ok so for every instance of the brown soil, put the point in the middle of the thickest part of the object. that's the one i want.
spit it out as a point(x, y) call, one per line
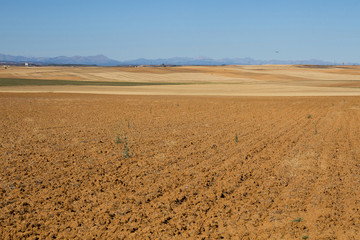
point(293, 172)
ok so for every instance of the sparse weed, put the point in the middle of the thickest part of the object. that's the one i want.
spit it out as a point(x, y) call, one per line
point(236, 138)
point(297, 219)
point(126, 150)
point(118, 140)
point(305, 237)
point(316, 132)
point(214, 146)
point(309, 116)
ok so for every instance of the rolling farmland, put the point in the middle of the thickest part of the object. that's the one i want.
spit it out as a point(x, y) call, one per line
point(181, 161)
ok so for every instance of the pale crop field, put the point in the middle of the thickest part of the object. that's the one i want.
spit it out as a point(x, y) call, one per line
point(268, 80)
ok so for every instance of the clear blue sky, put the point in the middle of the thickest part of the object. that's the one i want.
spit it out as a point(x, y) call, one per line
point(123, 30)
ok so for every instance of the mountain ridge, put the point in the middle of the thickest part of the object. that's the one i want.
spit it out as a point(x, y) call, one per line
point(102, 60)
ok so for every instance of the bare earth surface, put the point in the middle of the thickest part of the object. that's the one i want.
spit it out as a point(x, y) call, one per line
point(267, 80)
point(77, 166)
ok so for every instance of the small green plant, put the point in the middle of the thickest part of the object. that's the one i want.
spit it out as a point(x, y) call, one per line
point(309, 116)
point(126, 154)
point(118, 140)
point(297, 219)
point(316, 132)
point(214, 146)
point(236, 138)
point(128, 123)
point(126, 149)
point(305, 237)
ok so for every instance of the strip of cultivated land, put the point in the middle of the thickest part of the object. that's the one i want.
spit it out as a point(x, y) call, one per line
point(46, 82)
point(158, 167)
point(272, 80)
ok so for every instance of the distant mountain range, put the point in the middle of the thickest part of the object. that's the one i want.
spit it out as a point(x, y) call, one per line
point(224, 61)
point(102, 60)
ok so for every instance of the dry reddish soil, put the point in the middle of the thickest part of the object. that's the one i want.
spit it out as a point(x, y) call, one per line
point(67, 170)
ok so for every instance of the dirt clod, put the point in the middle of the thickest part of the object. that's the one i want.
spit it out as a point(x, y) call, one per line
point(63, 176)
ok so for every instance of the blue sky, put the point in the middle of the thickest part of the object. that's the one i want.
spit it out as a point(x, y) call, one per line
point(123, 30)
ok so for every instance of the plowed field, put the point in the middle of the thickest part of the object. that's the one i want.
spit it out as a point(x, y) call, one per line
point(159, 167)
